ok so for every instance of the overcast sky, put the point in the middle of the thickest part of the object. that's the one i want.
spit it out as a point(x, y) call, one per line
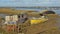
point(15, 3)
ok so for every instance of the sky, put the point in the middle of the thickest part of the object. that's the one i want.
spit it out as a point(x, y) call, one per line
point(25, 3)
point(21, 3)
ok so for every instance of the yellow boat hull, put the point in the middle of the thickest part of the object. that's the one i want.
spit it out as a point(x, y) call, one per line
point(36, 21)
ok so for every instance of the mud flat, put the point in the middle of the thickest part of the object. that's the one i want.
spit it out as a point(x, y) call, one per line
point(49, 27)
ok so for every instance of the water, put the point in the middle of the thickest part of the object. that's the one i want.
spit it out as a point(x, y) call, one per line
point(57, 10)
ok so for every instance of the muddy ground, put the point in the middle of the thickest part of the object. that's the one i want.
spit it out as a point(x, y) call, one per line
point(51, 26)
